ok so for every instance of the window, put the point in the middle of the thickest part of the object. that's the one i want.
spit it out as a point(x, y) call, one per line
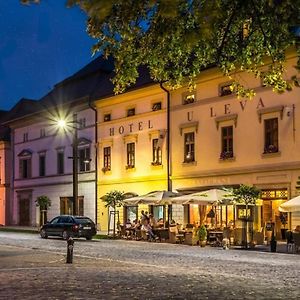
point(188, 98)
point(156, 106)
point(227, 142)
point(271, 135)
point(106, 159)
point(25, 167)
point(25, 137)
point(131, 213)
point(84, 155)
point(225, 89)
point(81, 123)
point(107, 117)
point(42, 132)
point(60, 163)
point(42, 165)
point(189, 147)
point(156, 152)
point(130, 155)
point(66, 206)
point(130, 112)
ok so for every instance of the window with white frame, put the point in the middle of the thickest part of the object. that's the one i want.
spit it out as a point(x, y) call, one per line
point(189, 147)
point(84, 155)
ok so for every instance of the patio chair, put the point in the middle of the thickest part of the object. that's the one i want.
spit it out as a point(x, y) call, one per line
point(174, 235)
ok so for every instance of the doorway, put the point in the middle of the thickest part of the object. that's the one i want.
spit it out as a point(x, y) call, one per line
point(24, 212)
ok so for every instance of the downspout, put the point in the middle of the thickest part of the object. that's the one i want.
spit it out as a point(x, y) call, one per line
point(169, 165)
point(96, 157)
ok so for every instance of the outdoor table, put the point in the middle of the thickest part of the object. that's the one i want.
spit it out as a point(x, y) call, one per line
point(161, 233)
point(215, 237)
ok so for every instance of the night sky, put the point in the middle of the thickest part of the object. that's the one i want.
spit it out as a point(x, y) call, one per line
point(40, 45)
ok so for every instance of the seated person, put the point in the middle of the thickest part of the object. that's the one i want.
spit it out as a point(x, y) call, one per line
point(297, 228)
point(152, 221)
point(160, 222)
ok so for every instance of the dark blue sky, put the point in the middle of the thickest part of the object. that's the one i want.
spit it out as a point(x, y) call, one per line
point(40, 45)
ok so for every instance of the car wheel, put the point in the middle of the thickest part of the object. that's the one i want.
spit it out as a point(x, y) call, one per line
point(88, 238)
point(43, 234)
point(65, 235)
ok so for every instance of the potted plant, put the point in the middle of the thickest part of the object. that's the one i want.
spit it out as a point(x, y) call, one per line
point(202, 235)
point(283, 220)
point(273, 242)
point(43, 202)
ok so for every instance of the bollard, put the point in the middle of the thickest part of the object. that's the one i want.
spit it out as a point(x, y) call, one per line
point(70, 246)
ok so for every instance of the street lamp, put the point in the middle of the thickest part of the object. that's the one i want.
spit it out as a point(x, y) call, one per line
point(64, 124)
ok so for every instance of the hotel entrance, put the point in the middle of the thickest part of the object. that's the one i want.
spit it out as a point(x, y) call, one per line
point(271, 216)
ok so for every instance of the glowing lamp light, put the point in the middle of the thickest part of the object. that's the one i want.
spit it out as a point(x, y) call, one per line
point(61, 123)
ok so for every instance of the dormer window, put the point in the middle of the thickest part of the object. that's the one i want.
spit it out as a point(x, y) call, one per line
point(107, 117)
point(156, 106)
point(188, 98)
point(130, 112)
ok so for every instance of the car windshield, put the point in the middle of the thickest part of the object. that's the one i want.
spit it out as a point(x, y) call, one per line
point(83, 220)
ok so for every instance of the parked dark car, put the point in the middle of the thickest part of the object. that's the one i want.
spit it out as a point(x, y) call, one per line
point(67, 225)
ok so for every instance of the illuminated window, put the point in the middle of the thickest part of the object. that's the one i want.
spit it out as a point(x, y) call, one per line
point(271, 135)
point(106, 159)
point(130, 155)
point(227, 142)
point(156, 152)
point(189, 147)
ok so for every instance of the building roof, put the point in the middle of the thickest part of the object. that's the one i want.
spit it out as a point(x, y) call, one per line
point(92, 82)
point(4, 131)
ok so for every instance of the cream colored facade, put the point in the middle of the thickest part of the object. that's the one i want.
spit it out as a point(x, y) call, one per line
point(205, 117)
point(147, 123)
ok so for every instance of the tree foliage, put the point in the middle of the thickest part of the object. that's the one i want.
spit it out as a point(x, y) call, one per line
point(43, 202)
point(113, 198)
point(177, 39)
point(246, 194)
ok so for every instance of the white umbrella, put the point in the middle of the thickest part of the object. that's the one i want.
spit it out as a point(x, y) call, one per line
point(293, 205)
point(213, 196)
point(152, 198)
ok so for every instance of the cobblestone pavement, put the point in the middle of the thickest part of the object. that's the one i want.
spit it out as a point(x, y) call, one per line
point(32, 268)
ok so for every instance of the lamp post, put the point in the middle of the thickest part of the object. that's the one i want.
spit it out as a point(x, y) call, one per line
point(75, 166)
point(63, 124)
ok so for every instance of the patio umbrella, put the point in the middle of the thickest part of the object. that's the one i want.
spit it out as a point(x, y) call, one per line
point(208, 197)
point(293, 205)
point(152, 198)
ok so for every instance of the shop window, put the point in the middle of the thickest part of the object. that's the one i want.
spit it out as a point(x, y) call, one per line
point(156, 152)
point(131, 213)
point(271, 135)
point(66, 206)
point(130, 156)
point(189, 147)
point(227, 142)
point(106, 159)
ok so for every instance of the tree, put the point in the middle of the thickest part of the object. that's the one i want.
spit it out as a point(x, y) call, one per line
point(113, 199)
point(43, 202)
point(177, 39)
point(246, 195)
